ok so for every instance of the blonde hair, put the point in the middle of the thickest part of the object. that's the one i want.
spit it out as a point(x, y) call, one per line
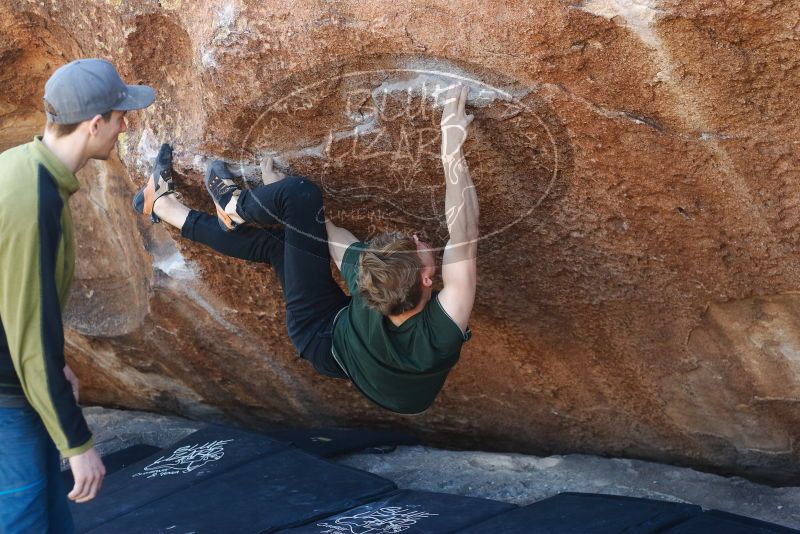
point(389, 274)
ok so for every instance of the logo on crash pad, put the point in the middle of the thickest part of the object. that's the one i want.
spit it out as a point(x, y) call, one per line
point(185, 459)
point(386, 520)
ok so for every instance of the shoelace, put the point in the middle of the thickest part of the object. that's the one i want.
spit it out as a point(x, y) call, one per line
point(219, 187)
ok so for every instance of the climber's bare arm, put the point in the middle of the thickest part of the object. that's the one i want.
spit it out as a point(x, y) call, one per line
point(339, 239)
point(459, 262)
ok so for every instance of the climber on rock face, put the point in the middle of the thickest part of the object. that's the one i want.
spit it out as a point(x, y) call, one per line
point(395, 338)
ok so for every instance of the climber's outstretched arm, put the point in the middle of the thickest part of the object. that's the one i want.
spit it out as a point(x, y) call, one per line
point(339, 239)
point(459, 262)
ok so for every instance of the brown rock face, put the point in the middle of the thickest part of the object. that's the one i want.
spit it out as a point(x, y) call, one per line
point(637, 166)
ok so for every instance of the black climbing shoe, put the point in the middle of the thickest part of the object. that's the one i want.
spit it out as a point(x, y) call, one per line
point(159, 184)
point(220, 185)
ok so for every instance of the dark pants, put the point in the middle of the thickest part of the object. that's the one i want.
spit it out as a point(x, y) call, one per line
point(298, 251)
point(32, 493)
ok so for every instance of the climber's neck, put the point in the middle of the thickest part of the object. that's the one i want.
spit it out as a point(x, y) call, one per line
point(397, 320)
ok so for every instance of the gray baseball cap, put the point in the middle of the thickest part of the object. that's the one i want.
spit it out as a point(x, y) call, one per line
point(84, 88)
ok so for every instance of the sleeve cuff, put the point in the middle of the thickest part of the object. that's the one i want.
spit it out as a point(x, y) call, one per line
point(466, 335)
point(350, 256)
point(68, 453)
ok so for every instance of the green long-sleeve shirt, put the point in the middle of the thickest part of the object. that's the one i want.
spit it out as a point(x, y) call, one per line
point(37, 262)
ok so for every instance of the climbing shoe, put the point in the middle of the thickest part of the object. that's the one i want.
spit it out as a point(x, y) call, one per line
point(159, 184)
point(224, 192)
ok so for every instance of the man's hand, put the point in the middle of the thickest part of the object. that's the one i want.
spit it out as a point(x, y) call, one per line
point(454, 121)
point(88, 471)
point(73, 380)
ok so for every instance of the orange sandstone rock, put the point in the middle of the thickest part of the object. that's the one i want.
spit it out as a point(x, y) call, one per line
point(637, 166)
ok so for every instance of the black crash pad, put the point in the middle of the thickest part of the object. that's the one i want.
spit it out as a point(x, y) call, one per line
point(716, 522)
point(281, 490)
point(330, 442)
point(117, 460)
point(585, 513)
point(204, 454)
point(409, 512)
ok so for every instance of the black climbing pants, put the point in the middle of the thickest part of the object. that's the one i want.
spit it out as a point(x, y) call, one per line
point(297, 250)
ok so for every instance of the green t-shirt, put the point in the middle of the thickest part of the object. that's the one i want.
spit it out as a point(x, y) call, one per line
point(401, 368)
